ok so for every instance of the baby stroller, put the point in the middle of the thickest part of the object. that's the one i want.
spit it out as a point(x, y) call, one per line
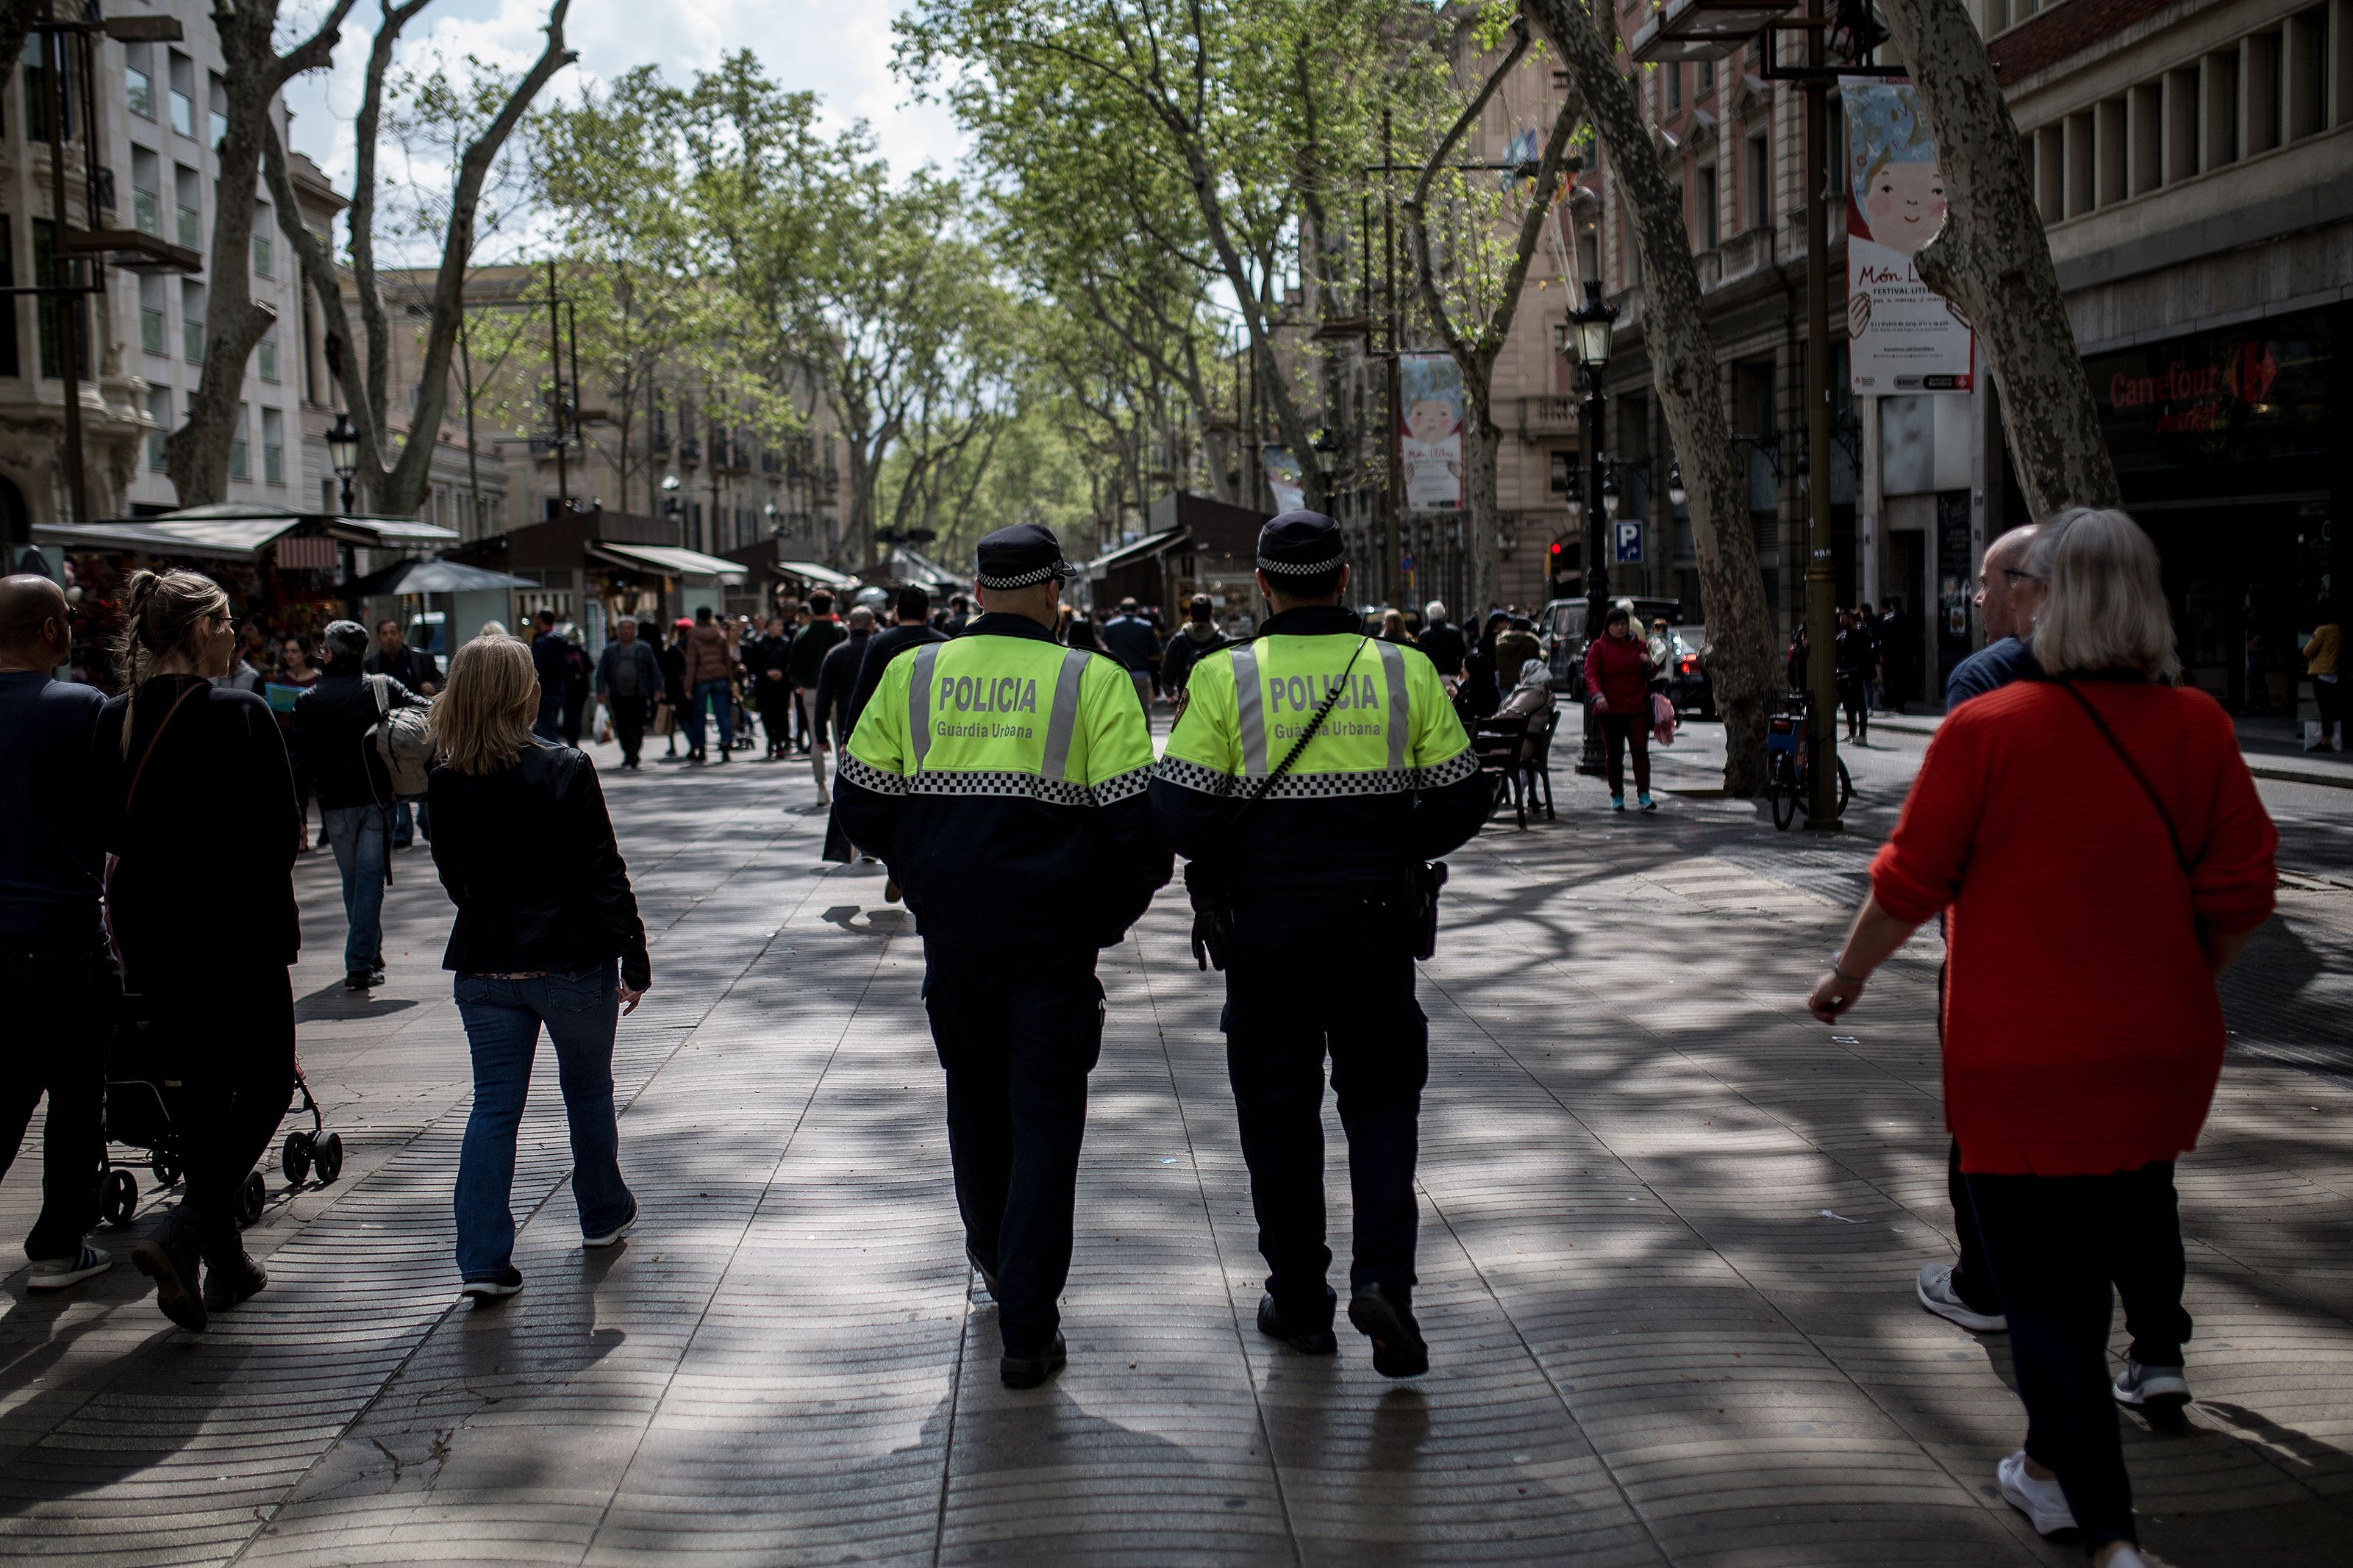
point(141, 1103)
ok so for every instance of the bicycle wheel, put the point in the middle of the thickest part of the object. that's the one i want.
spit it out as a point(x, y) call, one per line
point(1781, 789)
point(1846, 786)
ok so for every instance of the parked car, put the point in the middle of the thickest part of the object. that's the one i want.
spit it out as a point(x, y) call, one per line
point(1560, 632)
point(1688, 686)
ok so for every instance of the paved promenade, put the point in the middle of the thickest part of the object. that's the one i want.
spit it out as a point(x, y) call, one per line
point(1669, 1230)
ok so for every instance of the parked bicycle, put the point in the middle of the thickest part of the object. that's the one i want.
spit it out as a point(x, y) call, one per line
point(1787, 781)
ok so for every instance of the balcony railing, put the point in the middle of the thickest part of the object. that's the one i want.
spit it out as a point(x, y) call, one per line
point(1547, 416)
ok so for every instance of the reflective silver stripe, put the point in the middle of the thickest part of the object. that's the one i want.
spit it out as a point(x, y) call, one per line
point(1393, 666)
point(919, 705)
point(1063, 721)
point(1249, 713)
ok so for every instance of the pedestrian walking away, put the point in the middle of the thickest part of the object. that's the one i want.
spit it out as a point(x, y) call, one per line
point(1001, 776)
point(911, 616)
point(545, 915)
point(1855, 655)
point(1618, 683)
point(2324, 652)
point(201, 829)
point(332, 755)
point(1313, 774)
point(1197, 637)
point(805, 661)
point(707, 674)
point(673, 666)
point(547, 661)
point(2098, 843)
point(417, 669)
point(765, 660)
point(60, 978)
point(1131, 639)
point(836, 683)
point(629, 677)
point(1439, 642)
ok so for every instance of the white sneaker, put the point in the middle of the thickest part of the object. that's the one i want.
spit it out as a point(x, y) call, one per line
point(1935, 1289)
point(2043, 1502)
point(2145, 1386)
point(629, 1223)
point(56, 1273)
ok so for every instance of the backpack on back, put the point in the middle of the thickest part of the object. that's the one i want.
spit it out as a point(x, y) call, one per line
point(401, 742)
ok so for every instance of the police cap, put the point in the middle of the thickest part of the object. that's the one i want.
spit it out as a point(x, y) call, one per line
point(1299, 544)
point(1018, 556)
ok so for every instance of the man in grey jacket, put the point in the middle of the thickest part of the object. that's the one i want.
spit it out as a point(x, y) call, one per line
point(627, 677)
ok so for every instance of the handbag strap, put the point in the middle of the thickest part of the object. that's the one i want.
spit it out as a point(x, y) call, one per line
point(141, 771)
point(2140, 778)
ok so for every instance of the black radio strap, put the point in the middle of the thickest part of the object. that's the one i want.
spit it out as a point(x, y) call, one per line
point(1331, 700)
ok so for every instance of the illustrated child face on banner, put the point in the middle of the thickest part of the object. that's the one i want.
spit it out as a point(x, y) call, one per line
point(1433, 419)
point(1905, 203)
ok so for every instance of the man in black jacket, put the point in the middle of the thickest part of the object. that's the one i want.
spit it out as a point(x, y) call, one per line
point(332, 758)
point(1197, 637)
point(913, 611)
point(416, 669)
point(837, 681)
point(547, 662)
point(1440, 643)
point(61, 979)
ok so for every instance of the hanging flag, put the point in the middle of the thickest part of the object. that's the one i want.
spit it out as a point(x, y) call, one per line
point(1283, 479)
point(1430, 432)
point(1902, 336)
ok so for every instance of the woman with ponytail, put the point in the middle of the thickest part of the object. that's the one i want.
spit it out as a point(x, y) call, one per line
point(204, 832)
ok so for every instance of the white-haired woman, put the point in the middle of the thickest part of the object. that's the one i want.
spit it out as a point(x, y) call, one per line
point(2099, 853)
point(523, 843)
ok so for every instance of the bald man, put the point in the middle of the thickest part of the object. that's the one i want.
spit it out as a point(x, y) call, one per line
point(2007, 597)
point(54, 965)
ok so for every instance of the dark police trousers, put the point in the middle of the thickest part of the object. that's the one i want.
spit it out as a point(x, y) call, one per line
point(1017, 1029)
point(1303, 981)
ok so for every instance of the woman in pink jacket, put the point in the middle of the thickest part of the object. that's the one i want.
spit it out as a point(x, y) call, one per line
point(1618, 683)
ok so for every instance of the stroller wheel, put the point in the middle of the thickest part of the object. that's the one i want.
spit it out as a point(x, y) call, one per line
point(327, 1156)
point(252, 1196)
point(118, 1198)
point(166, 1169)
point(295, 1158)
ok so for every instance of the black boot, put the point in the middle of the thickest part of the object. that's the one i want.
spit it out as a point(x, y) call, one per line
point(1029, 1370)
point(171, 1260)
point(1306, 1340)
point(231, 1276)
point(1385, 1316)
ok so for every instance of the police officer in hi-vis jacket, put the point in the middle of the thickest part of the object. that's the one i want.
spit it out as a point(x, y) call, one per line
point(1002, 777)
point(1311, 886)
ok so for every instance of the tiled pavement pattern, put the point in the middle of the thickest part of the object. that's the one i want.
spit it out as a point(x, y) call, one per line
point(1668, 1236)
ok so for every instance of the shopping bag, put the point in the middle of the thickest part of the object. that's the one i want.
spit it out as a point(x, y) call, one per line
point(1662, 719)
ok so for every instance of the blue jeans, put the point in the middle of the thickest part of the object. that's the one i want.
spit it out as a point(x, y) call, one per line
point(356, 835)
point(550, 722)
point(721, 700)
point(503, 1018)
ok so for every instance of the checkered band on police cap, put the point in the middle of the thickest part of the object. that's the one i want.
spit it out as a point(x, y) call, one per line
point(1018, 557)
point(1299, 544)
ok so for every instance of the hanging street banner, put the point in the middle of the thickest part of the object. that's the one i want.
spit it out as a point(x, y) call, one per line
point(1429, 431)
point(1283, 479)
point(1902, 336)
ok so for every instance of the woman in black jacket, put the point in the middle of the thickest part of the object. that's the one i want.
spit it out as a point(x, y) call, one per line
point(203, 834)
point(523, 845)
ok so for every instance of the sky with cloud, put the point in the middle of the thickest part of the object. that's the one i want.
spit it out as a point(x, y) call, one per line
point(840, 52)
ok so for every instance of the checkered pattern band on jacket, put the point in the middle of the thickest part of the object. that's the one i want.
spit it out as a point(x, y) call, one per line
point(865, 776)
point(1322, 786)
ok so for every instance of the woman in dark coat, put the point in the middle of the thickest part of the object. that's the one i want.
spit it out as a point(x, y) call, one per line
point(204, 832)
point(525, 848)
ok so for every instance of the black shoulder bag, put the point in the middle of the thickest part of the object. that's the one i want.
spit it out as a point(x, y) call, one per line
point(1210, 884)
point(2172, 833)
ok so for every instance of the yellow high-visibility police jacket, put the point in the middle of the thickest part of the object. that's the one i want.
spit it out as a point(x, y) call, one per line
point(1002, 777)
point(1389, 778)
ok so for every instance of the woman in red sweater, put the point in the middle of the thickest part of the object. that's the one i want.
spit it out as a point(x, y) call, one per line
point(2100, 855)
point(1617, 678)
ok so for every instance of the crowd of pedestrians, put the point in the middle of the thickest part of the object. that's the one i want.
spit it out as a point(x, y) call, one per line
point(2083, 827)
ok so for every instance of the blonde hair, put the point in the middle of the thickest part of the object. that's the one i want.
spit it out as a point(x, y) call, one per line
point(2105, 610)
point(161, 612)
point(482, 719)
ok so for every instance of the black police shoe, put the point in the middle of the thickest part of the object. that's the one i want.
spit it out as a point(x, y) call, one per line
point(1385, 1318)
point(1029, 1370)
point(1306, 1342)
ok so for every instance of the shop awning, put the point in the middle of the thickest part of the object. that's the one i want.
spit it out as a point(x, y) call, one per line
point(235, 530)
point(432, 576)
point(669, 559)
point(825, 576)
point(1142, 549)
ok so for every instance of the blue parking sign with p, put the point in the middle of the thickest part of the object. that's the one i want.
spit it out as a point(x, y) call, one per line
point(1629, 543)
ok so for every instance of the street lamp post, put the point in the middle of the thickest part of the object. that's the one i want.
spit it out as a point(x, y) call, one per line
point(344, 453)
point(1591, 325)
